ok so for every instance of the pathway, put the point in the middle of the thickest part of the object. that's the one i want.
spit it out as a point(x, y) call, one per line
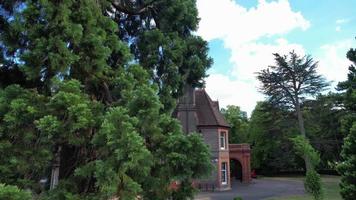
point(257, 190)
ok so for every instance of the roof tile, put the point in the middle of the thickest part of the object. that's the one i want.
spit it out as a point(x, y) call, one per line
point(207, 110)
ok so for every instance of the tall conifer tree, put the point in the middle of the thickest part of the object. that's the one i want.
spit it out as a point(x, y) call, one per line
point(347, 167)
point(289, 82)
point(95, 84)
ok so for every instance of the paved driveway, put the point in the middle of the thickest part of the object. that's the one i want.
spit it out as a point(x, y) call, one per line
point(258, 189)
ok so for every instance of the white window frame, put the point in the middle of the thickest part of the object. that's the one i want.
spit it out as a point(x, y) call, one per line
point(224, 173)
point(222, 140)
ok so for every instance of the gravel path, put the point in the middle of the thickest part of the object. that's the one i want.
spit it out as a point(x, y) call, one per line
point(259, 189)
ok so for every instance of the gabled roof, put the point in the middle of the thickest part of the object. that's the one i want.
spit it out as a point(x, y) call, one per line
point(208, 113)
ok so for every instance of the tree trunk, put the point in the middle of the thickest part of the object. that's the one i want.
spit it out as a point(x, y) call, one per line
point(308, 165)
point(55, 168)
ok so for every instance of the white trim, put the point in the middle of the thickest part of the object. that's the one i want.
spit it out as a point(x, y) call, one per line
point(224, 173)
point(222, 137)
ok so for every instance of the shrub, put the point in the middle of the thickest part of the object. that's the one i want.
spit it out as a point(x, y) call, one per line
point(304, 148)
point(347, 168)
point(312, 184)
point(237, 198)
point(10, 192)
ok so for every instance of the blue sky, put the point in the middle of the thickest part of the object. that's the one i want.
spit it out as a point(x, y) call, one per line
point(243, 34)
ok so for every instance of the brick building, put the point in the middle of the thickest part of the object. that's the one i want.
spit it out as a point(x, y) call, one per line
point(198, 113)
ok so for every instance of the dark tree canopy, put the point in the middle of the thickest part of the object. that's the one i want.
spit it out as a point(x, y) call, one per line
point(349, 86)
point(86, 88)
point(158, 33)
point(270, 128)
point(323, 124)
point(289, 82)
point(347, 167)
point(292, 79)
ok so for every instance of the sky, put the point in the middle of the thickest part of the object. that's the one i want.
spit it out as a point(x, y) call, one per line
point(243, 34)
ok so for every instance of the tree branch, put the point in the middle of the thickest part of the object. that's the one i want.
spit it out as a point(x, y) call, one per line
point(107, 92)
point(122, 6)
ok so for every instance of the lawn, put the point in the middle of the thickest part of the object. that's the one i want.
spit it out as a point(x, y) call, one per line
point(331, 189)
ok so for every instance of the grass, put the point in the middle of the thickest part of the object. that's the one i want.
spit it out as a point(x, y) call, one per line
point(330, 186)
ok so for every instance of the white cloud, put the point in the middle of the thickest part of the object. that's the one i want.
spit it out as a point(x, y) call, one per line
point(232, 92)
point(241, 31)
point(242, 88)
point(333, 63)
point(253, 57)
point(341, 21)
point(228, 20)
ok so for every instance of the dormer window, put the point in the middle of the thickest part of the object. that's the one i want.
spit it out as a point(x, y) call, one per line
point(222, 140)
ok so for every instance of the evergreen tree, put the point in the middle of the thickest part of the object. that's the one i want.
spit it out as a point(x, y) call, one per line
point(92, 111)
point(13, 193)
point(270, 128)
point(348, 166)
point(289, 82)
point(160, 36)
point(323, 124)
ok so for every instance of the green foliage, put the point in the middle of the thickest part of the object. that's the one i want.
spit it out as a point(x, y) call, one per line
point(237, 198)
point(348, 86)
point(20, 141)
point(70, 112)
point(348, 166)
point(10, 192)
point(270, 128)
point(116, 172)
point(197, 150)
point(99, 83)
point(323, 123)
point(289, 82)
point(62, 192)
point(303, 148)
point(160, 39)
point(291, 79)
point(312, 185)
point(238, 121)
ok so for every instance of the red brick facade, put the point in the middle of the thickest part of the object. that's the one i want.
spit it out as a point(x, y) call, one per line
point(198, 113)
point(241, 153)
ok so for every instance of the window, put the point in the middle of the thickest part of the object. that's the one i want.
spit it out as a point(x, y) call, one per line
point(222, 140)
point(224, 173)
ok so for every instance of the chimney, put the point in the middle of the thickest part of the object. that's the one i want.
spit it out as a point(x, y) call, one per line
point(216, 104)
point(188, 95)
point(186, 110)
